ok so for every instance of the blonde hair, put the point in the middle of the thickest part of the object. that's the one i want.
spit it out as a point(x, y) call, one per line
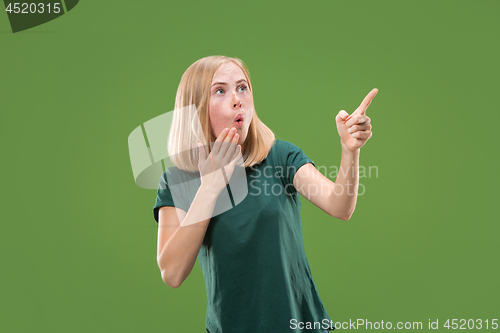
point(192, 101)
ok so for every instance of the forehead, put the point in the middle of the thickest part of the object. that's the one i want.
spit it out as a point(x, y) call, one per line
point(228, 71)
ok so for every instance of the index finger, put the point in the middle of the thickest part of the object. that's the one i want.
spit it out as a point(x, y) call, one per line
point(366, 101)
point(361, 110)
point(219, 140)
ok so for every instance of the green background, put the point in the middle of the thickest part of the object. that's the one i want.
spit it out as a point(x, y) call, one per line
point(78, 237)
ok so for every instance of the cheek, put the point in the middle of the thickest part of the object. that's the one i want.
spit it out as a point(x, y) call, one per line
point(218, 120)
point(250, 102)
point(250, 119)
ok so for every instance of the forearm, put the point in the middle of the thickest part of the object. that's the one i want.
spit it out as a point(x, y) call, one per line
point(177, 258)
point(345, 190)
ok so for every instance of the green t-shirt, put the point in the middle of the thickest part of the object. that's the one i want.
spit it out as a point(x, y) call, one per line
point(256, 272)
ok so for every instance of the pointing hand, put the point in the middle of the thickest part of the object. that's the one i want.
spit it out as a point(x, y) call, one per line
point(355, 129)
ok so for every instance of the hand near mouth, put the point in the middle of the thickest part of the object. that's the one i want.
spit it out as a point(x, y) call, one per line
point(217, 169)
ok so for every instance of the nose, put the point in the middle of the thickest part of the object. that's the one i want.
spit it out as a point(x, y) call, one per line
point(236, 101)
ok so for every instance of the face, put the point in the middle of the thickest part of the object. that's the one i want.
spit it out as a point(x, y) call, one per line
point(231, 101)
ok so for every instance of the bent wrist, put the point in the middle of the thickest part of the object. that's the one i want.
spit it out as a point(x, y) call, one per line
point(350, 152)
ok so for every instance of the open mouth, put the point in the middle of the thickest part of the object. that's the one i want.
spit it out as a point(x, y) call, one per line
point(238, 120)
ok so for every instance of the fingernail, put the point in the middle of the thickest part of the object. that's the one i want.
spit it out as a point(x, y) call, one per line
point(233, 129)
point(226, 129)
point(350, 130)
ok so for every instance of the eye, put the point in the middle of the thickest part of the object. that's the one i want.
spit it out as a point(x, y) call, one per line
point(219, 91)
point(243, 88)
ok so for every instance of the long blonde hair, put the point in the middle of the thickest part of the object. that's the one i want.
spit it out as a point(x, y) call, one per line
point(192, 101)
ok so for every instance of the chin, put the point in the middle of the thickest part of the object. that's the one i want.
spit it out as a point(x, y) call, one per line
point(241, 140)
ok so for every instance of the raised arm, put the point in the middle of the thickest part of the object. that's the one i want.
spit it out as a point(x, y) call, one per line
point(339, 199)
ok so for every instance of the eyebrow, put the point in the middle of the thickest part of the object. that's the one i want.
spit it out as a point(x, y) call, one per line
point(225, 83)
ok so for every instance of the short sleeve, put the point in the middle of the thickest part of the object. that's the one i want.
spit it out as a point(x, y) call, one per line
point(180, 195)
point(163, 196)
point(291, 158)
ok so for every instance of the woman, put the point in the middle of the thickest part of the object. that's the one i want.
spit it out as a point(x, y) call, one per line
point(252, 256)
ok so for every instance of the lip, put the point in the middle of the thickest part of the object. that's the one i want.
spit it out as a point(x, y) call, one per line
point(239, 123)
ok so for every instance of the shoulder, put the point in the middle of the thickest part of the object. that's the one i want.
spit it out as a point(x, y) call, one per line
point(285, 147)
point(286, 153)
point(174, 176)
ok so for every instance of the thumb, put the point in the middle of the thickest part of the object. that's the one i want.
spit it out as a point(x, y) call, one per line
point(341, 116)
point(202, 157)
